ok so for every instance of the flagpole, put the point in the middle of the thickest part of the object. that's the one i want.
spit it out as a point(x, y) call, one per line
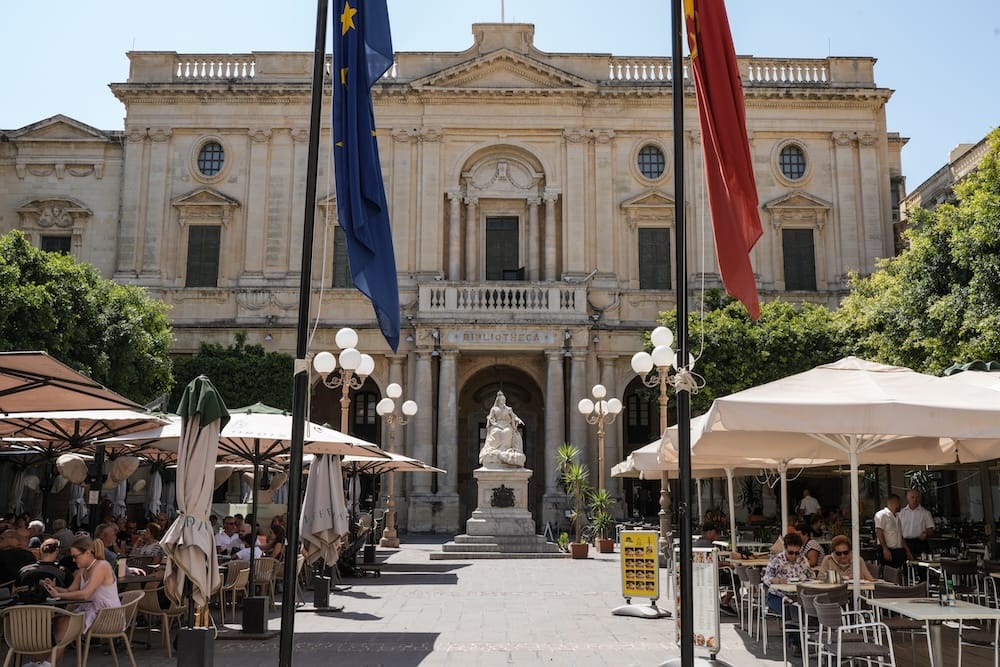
point(300, 387)
point(686, 611)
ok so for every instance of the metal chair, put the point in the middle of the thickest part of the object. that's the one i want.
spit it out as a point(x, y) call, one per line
point(113, 623)
point(27, 630)
point(982, 636)
point(964, 575)
point(897, 623)
point(839, 639)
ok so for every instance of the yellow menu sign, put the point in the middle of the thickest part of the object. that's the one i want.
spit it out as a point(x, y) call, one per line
point(640, 570)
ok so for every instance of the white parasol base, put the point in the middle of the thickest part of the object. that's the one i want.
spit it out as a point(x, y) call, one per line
point(641, 611)
point(698, 660)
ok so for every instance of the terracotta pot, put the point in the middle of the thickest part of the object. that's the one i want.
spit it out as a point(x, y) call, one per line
point(605, 545)
point(578, 549)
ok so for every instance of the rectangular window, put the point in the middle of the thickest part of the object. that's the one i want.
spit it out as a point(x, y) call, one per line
point(341, 265)
point(203, 256)
point(60, 244)
point(501, 249)
point(654, 258)
point(799, 259)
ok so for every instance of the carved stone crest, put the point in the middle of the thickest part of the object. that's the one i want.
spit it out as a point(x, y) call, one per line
point(503, 496)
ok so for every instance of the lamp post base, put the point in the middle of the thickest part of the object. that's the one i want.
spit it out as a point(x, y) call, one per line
point(389, 538)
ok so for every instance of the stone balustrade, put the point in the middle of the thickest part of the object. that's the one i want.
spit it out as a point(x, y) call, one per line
point(494, 298)
point(753, 71)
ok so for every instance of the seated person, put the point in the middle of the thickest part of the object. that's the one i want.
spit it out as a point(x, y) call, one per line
point(275, 545)
point(149, 544)
point(12, 555)
point(841, 561)
point(30, 577)
point(244, 553)
point(782, 569)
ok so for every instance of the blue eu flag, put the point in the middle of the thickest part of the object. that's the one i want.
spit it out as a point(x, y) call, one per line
point(362, 54)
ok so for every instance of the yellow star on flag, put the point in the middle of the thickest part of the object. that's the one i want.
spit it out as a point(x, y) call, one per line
point(343, 76)
point(347, 18)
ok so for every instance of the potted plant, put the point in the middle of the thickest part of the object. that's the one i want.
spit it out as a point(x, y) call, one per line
point(601, 520)
point(576, 480)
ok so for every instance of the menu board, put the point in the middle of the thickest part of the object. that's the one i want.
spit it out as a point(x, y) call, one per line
point(640, 569)
point(705, 587)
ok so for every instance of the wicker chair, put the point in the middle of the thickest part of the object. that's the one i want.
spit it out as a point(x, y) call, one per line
point(263, 577)
point(149, 606)
point(236, 582)
point(27, 630)
point(114, 623)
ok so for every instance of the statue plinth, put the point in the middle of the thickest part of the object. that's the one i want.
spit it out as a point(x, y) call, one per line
point(502, 506)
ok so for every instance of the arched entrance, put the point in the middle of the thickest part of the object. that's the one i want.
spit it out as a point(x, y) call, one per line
point(475, 401)
point(641, 425)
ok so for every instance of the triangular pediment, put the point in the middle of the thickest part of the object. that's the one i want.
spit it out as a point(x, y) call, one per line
point(58, 128)
point(503, 69)
point(205, 197)
point(649, 200)
point(798, 200)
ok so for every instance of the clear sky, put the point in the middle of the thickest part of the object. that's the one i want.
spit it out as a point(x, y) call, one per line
point(940, 57)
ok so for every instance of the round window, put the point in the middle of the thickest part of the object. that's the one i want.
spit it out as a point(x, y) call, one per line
point(211, 157)
point(651, 162)
point(792, 161)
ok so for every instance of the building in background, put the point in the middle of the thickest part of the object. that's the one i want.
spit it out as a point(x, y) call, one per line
point(532, 205)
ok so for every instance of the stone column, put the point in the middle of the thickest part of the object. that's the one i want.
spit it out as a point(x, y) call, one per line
point(531, 264)
point(550, 236)
point(612, 450)
point(471, 238)
point(555, 433)
point(157, 232)
point(578, 426)
point(454, 235)
point(133, 211)
point(257, 206)
point(422, 431)
point(447, 435)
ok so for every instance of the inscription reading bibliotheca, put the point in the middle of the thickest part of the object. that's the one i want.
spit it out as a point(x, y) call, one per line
point(502, 337)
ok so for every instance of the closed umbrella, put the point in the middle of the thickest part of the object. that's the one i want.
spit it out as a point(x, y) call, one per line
point(324, 518)
point(154, 492)
point(189, 542)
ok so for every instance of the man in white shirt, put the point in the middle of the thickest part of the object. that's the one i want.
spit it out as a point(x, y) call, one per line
point(228, 539)
point(808, 505)
point(892, 549)
point(917, 523)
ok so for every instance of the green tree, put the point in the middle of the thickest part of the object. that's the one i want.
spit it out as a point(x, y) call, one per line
point(116, 334)
point(937, 302)
point(733, 352)
point(243, 374)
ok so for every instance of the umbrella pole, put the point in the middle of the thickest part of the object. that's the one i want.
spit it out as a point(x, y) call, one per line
point(732, 514)
point(783, 470)
point(253, 498)
point(855, 523)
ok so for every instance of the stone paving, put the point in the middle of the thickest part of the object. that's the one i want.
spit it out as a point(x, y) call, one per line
point(476, 612)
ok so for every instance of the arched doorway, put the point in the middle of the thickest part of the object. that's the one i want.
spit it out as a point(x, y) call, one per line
point(476, 398)
point(640, 426)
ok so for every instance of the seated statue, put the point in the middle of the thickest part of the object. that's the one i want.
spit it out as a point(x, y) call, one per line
point(503, 439)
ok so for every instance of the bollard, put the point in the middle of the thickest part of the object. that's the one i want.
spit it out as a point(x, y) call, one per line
point(321, 592)
point(195, 647)
point(255, 615)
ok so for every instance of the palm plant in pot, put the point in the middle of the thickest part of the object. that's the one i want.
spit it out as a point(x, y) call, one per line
point(601, 520)
point(576, 480)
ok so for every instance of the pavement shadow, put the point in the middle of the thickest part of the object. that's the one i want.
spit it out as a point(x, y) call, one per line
point(358, 649)
point(389, 566)
point(406, 579)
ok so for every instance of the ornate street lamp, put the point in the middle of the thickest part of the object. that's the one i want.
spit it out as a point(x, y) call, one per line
point(386, 409)
point(663, 359)
point(354, 368)
point(600, 412)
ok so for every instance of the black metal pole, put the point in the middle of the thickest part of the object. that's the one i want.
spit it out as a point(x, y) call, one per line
point(300, 387)
point(683, 398)
point(253, 499)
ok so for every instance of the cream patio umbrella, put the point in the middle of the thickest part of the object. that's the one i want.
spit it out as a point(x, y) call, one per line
point(324, 521)
point(851, 410)
point(190, 542)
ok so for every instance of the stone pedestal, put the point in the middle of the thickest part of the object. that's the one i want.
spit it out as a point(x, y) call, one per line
point(501, 525)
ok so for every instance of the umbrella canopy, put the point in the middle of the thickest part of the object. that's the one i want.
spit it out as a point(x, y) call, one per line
point(189, 541)
point(58, 431)
point(324, 519)
point(849, 410)
point(34, 381)
point(378, 465)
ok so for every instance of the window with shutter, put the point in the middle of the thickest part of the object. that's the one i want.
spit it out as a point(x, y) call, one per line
point(799, 259)
point(654, 258)
point(61, 244)
point(501, 249)
point(203, 256)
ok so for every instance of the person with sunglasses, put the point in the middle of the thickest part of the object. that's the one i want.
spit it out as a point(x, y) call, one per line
point(841, 561)
point(785, 567)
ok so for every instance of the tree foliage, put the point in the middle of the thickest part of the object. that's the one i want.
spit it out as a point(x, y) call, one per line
point(733, 352)
point(243, 374)
point(116, 334)
point(937, 302)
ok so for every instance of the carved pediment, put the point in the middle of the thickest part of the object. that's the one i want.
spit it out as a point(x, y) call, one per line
point(58, 128)
point(204, 203)
point(53, 213)
point(649, 206)
point(502, 70)
point(798, 209)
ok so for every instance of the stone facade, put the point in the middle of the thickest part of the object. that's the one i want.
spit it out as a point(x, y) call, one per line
point(524, 188)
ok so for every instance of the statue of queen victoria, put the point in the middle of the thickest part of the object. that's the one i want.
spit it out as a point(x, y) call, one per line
point(503, 443)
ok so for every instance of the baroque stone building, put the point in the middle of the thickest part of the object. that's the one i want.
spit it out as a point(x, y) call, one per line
point(532, 205)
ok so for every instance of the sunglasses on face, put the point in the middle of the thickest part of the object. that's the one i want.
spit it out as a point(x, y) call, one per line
point(790, 552)
point(842, 553)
